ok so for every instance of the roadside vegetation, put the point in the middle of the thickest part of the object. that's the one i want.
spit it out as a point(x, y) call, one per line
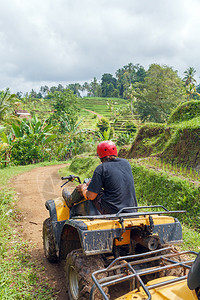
point(20, 276)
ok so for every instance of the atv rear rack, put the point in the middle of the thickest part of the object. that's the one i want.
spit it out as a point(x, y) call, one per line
point(125, 269)
point(135, 214)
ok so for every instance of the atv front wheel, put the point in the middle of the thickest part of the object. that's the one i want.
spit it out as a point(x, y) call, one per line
point(49, 241)
point(78, 272)
point(174, 271)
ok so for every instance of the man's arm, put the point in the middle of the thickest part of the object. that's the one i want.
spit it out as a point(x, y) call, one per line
point(82, 188)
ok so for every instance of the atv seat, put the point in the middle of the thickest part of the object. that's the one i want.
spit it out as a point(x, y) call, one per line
point(85, 208)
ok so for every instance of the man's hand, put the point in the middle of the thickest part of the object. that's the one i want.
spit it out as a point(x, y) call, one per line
point(82, 188)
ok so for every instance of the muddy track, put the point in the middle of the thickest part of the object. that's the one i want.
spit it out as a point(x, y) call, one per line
point(33, 189)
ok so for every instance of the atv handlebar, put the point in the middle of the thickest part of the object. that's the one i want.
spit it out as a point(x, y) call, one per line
point(70, 178)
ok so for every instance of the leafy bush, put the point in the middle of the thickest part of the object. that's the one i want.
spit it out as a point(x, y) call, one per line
point(26, 151)
point(124, 139)
point(103, 125)
point(65, 110)
point(130, 126)
point(185, 111)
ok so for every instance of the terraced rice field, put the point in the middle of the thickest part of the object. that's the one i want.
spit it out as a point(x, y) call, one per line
point(102, 106)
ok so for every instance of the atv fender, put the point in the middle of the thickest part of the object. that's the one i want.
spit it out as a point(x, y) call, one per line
point(59, 213)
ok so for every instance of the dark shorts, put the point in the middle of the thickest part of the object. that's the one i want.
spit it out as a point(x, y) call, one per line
point(98, 205)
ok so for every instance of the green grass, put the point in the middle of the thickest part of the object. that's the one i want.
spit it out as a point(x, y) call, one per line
point(88, 120)
point(191, 239)
point(20, 276)
point(171, 169)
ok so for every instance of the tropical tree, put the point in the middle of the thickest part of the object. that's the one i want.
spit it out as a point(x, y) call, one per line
point(95, 88)
point(75, 88)
point(44, 90)
point(86, 88)
point(189, 76)
point(33, 94)
point(6, 100)
point(127, 76)
point(65, 106)
point(108, 85)
point(190, 83)
point(161, 90)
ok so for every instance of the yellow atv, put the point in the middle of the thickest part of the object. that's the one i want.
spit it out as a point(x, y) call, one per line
point(90, 241)
point(171, 279)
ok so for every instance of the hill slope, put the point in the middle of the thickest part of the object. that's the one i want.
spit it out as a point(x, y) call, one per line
point(176, 143)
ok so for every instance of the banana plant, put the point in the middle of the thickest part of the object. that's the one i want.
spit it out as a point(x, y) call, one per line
point(41, 131)
point(6, 105)
point(5, 146)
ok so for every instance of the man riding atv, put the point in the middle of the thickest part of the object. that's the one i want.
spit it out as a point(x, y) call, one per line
point(112, 186)
point(88, 240)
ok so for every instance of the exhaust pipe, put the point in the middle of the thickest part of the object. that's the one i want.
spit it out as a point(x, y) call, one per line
point(149, 242)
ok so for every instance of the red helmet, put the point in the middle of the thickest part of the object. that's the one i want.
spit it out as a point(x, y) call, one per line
point(106, 148)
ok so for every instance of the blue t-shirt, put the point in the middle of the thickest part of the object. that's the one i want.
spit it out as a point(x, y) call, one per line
point(116, 179)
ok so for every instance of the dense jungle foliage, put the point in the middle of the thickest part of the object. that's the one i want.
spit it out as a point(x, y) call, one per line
point(63, 123)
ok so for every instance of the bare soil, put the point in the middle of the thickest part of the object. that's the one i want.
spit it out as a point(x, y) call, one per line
point(34, 188)
point(93, 112)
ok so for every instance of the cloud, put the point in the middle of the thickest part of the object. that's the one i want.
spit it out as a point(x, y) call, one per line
point(73, 40)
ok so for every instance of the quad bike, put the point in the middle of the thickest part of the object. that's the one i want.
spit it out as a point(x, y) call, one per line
point(89, 241)
point(167, 286)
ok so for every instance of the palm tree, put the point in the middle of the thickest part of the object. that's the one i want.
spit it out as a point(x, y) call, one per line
point(189, 76)
point(190, 81)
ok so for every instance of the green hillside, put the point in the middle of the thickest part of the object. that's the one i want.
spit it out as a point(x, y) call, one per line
point(176, 143)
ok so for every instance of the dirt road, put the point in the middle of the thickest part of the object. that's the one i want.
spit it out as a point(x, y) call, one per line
point(34, 188)
point(93, 112)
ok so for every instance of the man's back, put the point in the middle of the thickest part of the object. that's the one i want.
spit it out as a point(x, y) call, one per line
point(116, 179)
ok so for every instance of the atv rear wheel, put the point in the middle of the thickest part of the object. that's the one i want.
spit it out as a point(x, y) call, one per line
point(78, 272)
point(49, 241)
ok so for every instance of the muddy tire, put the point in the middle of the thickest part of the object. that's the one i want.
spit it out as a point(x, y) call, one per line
point(78, 272)
point(175, 271)
point(49, 241)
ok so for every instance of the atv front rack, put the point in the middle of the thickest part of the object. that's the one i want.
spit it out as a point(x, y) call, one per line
point(133, 267)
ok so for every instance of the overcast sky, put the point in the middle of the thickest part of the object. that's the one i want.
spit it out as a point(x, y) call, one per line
point(63, 41)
